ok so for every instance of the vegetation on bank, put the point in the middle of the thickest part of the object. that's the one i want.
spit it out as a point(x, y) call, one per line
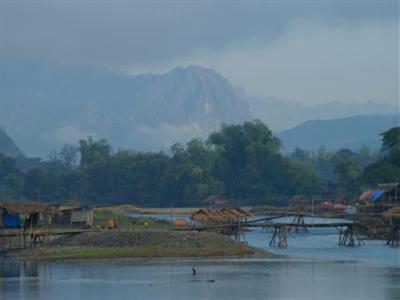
point(242, 162)
point(374, 227)
point(141, 243)
point(167, 210)
point(125, 221)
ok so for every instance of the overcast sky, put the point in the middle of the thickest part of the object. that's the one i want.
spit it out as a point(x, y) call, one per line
point(308, 51)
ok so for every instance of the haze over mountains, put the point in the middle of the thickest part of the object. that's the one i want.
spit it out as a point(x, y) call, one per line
point(44, 106)
point(7, 146)
point(350, 132)
point(9, 149)
point(283, 115)
point(58, 105)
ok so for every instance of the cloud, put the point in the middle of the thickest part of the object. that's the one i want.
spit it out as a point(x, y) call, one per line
point(121, 33)
point(315, 64)
point(162, 136)
point(309, 51)
point(67, 135)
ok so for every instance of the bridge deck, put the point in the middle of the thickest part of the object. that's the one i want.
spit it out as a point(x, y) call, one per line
point(289, 224)
point(269, 222)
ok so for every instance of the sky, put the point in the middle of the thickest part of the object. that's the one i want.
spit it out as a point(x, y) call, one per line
point(308, 51)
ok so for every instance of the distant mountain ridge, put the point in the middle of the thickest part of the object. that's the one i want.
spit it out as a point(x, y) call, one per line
point(58, 105)
point(7, 146)
point(283, 115)
point(351, 132)
point(45, 106)
point(9, 149)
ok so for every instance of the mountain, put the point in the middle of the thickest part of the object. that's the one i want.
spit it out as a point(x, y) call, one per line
point(58, 105)
point(9, 149)
point(7, 146)
point(45, 106)
point(282, 115)
point(351, 132)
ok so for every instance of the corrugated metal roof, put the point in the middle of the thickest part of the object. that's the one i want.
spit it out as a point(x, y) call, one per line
point(364, 196)
point(376, 195)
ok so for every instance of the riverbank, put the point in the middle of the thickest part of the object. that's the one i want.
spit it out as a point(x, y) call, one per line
point(150, 210)
point(140, 243)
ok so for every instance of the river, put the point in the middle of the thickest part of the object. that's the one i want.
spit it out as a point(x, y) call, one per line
point(312, 267)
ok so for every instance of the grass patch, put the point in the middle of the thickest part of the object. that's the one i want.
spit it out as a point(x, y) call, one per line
point(126, 252)
point(100, 217)
point(141, 243)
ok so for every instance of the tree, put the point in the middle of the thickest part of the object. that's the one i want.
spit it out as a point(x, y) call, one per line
point(348, 173)
point(250, 164)
point(301, 155)
point(188, 178)
point(241, 162)
point(67, 156)
point(94, 151)
point(388, 168)
point(391, 140)
point(11, 179)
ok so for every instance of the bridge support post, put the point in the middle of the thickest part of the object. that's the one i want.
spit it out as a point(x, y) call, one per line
point(394, 237)
point(279, 237)
point(267, 226)
point(349, 237)
point(238, 232)
point(298, 220)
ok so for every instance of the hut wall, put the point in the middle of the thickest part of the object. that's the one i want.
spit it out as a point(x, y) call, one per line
point(82, 217)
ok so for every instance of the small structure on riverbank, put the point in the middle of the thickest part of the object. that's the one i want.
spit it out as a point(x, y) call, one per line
point(74, 216)
point(24, 215)
point(383, 197)
point(25, 224)
point(219, 220)
point(211, 216)
point(19, 222)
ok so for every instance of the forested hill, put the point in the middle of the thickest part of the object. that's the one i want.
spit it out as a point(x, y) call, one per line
point(352, 133)
point(7, 145)
point(45, 106)
point(241, 163)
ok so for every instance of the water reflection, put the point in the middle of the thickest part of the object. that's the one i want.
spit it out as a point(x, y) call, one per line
point(215, 279)
point(13, 268)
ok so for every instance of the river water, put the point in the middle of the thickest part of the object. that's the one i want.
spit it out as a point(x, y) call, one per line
point(312, 267)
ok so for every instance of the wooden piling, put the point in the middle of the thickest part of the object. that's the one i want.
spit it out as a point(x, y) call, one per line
point(394, 237)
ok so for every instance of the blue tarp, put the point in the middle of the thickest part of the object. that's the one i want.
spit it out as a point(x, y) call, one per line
point(11, 220)
point(376, 195)
point(350, 210)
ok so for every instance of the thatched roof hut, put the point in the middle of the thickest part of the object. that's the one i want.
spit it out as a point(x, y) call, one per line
point(24, 207)
point(208, 216)
point(393, 212)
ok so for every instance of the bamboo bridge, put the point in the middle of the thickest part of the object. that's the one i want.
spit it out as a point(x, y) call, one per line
point(348, 231)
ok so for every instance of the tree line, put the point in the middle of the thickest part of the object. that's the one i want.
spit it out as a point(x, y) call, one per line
point(241, 162)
